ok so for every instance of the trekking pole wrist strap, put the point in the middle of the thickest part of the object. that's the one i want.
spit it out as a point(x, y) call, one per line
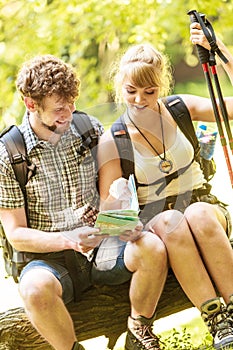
point(210, 36)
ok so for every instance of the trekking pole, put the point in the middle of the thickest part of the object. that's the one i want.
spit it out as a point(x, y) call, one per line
point(222, 107)
point(210, 35)
point(204, 57)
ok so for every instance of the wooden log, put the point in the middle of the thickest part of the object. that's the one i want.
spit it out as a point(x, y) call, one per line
point(102, 311)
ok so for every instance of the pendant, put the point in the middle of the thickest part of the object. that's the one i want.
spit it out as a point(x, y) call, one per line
point(165, 166)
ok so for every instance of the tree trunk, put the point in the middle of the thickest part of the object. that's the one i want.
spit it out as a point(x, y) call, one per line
point(102, 311)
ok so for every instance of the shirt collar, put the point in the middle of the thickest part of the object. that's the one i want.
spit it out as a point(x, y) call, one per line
point(31, 139)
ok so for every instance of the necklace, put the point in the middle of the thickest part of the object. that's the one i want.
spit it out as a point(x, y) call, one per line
point(165, 165)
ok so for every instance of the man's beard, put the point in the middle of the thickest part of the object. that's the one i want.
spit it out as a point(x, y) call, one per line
point(49, 127)
point(54, 128)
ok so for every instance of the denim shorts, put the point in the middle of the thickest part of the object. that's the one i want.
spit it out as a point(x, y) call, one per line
point(227, 215)
point(107, 268)
point(59, 271)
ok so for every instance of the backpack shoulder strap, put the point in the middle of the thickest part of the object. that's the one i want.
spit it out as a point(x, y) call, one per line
point(124, 146)
point(15, 146)
point(14, 143)
point(181, 115)
point(83, 125)
point(85, 128)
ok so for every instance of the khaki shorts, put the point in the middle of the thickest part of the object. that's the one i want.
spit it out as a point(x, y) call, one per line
point(228, 218)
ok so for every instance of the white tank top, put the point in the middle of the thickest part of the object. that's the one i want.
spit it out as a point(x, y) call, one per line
point(147, 171)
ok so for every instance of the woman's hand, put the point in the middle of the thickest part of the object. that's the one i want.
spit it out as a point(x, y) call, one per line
point(197, 36)
point(133, 235)
point(120, 191)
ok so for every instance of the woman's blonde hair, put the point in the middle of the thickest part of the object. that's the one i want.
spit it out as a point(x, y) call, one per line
point(143, 66)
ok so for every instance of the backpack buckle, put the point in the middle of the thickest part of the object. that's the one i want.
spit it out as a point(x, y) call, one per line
point(17, 158)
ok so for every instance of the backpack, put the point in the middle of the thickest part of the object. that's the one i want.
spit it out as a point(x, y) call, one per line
point(14, 260)
point(181, 115)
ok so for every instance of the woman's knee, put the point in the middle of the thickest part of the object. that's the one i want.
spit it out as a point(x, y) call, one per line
point(205, 219)
point(153, 244)
point(201, 214)
point(149, 247)
point(167, 223)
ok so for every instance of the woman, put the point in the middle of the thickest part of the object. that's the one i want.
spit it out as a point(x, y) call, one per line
point(195, 232)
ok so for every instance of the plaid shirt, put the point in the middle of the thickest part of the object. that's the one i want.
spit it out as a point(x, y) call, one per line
point(62, 194)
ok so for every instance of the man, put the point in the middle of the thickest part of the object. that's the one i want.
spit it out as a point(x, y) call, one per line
point(62, 203)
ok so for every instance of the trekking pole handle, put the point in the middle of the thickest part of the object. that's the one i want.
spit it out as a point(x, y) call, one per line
point(203, 53)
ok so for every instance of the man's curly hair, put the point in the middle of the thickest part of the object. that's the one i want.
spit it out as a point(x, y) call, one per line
point(47, 75)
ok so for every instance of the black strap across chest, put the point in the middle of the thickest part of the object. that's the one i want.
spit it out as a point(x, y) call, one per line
point(120, 133)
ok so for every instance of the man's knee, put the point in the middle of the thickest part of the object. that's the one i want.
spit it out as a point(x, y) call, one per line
point(38, 288)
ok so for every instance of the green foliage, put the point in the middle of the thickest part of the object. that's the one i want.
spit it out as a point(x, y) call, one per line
point(199, 87)
point(192, 336)
point(177, 340)
point(90, 34)
point(182, 340)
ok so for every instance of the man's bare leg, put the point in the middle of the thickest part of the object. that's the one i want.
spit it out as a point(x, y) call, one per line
point(42, 296)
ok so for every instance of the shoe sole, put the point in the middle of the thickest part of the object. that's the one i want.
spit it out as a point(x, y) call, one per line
point(224, 346)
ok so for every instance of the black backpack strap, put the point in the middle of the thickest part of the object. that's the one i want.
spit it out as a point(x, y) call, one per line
point(181, 115)
point(86, 130)
point(83, 125)
point(15, 146)
point(124, 147)
point(164, 181)
point(23, 169)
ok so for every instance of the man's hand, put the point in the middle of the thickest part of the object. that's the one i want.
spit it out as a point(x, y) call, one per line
point(86, 238)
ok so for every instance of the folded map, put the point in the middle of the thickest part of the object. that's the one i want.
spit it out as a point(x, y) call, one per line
point(115, 222)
